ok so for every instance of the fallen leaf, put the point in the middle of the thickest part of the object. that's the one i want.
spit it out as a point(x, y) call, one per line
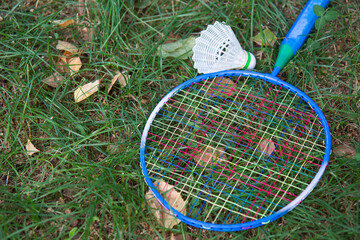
point(53, 80)
point(267, 146)
point(74, 64)
point(142, 3)
point(210, 155)
point(87, 34)
point(62, 65)
point(221, 86)
point(86, 91)
point(180, 49)
point(144, 100)
point(122, 77)
point(66, 46)
point(64, 23)
point(265, 38)
point(30, 148)
point(174, 199)
point(180, 237)
point(344, 150)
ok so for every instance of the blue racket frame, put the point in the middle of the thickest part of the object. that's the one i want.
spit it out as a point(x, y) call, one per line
point(260, 222)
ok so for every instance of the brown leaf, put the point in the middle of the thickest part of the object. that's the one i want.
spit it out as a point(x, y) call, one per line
point(114, 80)
point(87, 34)
point(267, 146)
point(30, 148)
point(221, 86)
point(121, 77)
point(210, 155)
point(74, 64)
point(174, 199)
point(53, 80)
point(180, 237)
point(86, 91)
point(62, 65)
point(66, 46)
point(344, 150)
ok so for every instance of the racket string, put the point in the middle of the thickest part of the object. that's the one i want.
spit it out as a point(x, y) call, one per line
point(287, 141)
point(252, 128)
point(182, 112)
point(261, 153)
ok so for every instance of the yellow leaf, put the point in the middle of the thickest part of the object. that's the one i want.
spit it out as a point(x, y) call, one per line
point(66, 46)
point(74, 64)
point(64, 23)
point(86, 91)
point(53, 80)
point(30, 148)
point(173, 198)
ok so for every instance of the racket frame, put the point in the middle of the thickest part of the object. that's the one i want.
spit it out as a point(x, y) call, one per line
point(240, 226)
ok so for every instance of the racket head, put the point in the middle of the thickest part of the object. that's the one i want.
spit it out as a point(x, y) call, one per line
point(278, 211)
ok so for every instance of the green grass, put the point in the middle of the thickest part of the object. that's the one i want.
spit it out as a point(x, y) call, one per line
point(86, 177)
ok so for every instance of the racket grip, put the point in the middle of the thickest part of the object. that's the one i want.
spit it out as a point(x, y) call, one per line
point(297, 34)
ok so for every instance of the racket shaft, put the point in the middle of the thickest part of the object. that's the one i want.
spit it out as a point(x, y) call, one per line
point(298, 33)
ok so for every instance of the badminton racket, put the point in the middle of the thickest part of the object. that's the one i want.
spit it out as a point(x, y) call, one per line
point(239, 148)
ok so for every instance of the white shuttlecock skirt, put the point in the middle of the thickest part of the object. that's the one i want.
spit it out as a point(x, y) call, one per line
point(217, 49)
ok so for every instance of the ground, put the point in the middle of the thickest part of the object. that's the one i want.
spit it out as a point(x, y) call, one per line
point(85, 179)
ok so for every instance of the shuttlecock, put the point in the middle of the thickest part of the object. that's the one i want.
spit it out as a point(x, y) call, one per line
point(217, 49)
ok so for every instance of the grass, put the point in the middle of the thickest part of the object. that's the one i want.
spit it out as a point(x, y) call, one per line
point(86, 179)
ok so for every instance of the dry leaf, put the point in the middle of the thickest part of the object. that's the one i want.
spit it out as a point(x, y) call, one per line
point(267, 146)
point(144, 99)
point(122, 79)
point(180, 237)
point(86, 91)
point(221, 86)
point(87, 34)
point(69, 65)
point(114, 80)
point(62, 65)
point(344, 150)
point(210, 155)
point(74, 64)
point(30, 148)
point(53, 80)
point(65, 46)
point(174, 199)
point(64, 23)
